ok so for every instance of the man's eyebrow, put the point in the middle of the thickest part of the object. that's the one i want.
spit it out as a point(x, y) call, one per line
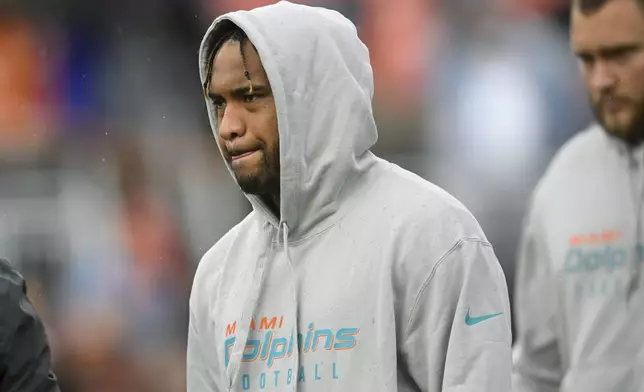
point(240, 91)
point(212, 95)
point(619, 48)
point(608, 50)
point(245, 90)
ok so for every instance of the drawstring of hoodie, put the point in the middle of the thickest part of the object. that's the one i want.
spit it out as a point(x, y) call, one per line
point(236, 356)
point(234, 364)
point(637, 179)
point(296, 351)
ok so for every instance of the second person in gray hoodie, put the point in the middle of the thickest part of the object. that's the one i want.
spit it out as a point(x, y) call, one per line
point(580, 295)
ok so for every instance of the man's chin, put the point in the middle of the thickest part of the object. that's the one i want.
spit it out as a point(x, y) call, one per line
point(249, 184)
point(615, 130)
point(625, 126)
point(631, 135)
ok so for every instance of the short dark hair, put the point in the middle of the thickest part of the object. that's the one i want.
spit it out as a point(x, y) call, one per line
point(229, 32)
point(591, 6)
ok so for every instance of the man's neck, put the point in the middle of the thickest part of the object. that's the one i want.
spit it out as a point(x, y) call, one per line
point(273, 203)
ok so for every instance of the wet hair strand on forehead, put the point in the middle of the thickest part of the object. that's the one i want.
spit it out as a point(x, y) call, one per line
point(231, 33)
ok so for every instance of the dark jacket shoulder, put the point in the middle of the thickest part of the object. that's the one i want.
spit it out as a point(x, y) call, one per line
point(25, 357)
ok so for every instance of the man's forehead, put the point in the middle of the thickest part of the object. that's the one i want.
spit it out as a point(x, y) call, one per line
point(228, 53)
point(618, 23)
point(228, 65)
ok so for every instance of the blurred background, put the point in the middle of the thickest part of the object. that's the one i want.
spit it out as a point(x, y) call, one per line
point(112, 187)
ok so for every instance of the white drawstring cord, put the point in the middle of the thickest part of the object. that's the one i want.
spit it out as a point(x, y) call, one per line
point(284, 229)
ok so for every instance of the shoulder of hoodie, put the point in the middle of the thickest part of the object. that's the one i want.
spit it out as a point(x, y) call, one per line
point(432, 230)
point(580, 155)
point(426, 210)
point(213, 261)
point(11, 281)
point(13, 291)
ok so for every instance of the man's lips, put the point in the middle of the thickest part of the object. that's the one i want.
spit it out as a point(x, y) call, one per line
point(613, 105)
point(240, 155)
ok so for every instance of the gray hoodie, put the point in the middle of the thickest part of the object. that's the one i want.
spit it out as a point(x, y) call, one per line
point(372, 279)
point(579, 301)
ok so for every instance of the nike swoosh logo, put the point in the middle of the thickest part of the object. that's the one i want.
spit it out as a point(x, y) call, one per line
point(475, 320)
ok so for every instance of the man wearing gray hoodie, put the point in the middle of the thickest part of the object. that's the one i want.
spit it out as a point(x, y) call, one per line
point(351, 274)
point(580, 296)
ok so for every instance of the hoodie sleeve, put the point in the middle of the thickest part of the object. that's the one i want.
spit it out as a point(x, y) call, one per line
point(25, 358)
point(537, 365)
point(458, 337)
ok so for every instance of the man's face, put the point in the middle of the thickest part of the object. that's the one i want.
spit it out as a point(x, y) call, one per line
point(247, 121)
point(610, 46)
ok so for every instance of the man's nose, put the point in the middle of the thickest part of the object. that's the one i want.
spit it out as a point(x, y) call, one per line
point(602, 77)
point(231, 124)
